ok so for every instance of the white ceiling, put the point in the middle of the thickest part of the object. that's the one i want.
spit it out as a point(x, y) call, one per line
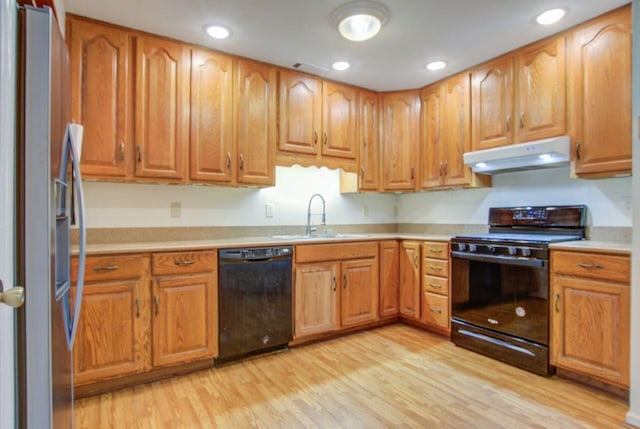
point(461, 32)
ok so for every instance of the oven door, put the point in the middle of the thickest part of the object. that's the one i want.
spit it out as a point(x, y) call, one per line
point(504, 294)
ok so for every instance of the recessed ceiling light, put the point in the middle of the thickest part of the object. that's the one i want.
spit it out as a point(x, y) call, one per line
point(544, 156)
point(436, 65)
point(359, 20)
point(481, 164)
point(217, 31)
point(340, 65)
point(550, 17)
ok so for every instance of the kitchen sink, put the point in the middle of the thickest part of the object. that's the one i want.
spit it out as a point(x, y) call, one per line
point(309, 237)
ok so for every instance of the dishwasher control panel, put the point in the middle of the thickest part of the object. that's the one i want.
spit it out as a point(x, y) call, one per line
point(253, 253)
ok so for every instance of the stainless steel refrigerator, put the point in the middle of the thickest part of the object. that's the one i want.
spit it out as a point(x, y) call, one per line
point(49, 203)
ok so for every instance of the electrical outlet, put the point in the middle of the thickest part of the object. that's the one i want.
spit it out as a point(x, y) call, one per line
point(176, 209)
point(365, 210)
point(269, 209)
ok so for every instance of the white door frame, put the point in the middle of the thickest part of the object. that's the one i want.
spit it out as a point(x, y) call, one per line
point(8, 64)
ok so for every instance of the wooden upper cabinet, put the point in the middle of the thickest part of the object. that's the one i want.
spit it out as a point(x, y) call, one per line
point(493, 100)
point(339, 108)
point(100, 83)
point(162, 107)
point(600, 94)
point(457, 119)
point(300, 113)
point(432, 144)
point(255, 107)
point(211, 143)
point(400, 140)
point(542, 95)
point(369, 140)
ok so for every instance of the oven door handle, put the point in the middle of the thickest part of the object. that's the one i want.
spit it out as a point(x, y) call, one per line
point(500, 259)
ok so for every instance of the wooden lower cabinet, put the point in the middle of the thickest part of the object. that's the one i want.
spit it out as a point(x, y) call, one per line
point(336, 287)
point(590, 315)
point(435, 286)
point(410, 280)
point(389, 279)
point(316, 299)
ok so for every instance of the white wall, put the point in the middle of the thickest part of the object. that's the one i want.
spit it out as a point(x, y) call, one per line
point(608, 200)
point(112, 205)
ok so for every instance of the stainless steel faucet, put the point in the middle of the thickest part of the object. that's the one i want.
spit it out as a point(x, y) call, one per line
point(324, 215)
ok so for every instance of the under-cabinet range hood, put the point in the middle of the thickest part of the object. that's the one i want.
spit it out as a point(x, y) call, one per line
point(551, 152)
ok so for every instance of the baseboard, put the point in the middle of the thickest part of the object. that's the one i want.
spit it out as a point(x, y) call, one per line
point(633, 419)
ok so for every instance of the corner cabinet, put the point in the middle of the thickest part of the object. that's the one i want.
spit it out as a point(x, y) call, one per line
point(400, 140)
point(590, 314)
point(410, 279)
point(600, 94)
point(389, 278)
point(336, 287)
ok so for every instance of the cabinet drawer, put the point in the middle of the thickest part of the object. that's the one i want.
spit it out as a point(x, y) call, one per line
point(183, 262)
point(435, 310)
point(109, 268)
point(437, 285)
point(592, 265)
point(335, 252)
point(435, 250)
point(435, 267)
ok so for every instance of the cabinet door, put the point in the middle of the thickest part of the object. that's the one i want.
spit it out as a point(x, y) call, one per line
point(369, 141)
point(100, 85)
point(590, 328)
point(162, 108)
point(339, 120)
point(432, 158)
point(111, 339)
point(410, 280)
point(256, 129)
point(541, 91)
point(400, 140)
point(600, 94)
point(360, 290)
point(316, 299)
point(184, 318)
point(211, 143)
point(389, 278)
point(300, 113)
point(493, 104)
point(457, 129)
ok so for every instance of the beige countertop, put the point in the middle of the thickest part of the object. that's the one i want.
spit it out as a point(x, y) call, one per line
point(165, 246)
point(594, 246)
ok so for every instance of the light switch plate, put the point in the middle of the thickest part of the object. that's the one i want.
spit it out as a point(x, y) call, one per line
point(269, 209)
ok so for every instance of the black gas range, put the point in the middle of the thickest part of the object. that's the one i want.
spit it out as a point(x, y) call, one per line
point(500, 283)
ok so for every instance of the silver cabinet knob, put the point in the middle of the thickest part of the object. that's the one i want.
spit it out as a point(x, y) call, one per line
point(14, 297)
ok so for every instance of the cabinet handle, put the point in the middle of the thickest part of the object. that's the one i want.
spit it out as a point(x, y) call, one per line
point(508, 122)
point(335, 283)
point(556, 302)
point(441, 169)
point(596, 266)
point(363, 170)
point(446, 168)
point(578, 151)
point(413, 173)
point(521, 119)
point(228, 160)
point(415, 261)
point(435, 285)
point(139, 153)
point(324, 138)
point(241, 162)
point(435, 268)
point(435, 310)
point(435, 250)
point(315, 138)
point(107, 268)
point(121, 151)
point(181, 262)
point(137, 307)
point(156, 301)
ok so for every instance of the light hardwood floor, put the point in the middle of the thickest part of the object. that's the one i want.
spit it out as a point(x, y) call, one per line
point(395, 376)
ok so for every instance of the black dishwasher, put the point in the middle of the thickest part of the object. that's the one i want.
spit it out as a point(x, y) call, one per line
point(254, 301)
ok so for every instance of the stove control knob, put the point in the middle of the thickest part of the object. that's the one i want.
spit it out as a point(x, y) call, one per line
point(473, 248)
point(512, 250)
point(491, 249)
point(462, 247)
point(525, 251)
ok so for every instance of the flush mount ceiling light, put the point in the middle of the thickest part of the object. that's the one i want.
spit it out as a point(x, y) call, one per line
point(359, 20)
point(217, 31)
point(340, 65)
point(550, 17)
point(436, 65)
